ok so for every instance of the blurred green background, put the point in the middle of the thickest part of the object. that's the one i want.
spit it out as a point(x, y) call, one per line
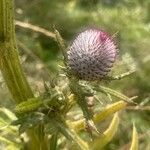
point(129, 19)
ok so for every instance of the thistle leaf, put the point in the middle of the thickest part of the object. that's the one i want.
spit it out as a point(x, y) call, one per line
point(6, 117)
point(9, 144)
point(61, 44)
point(29, 121)
point(8, 113)
point(117, 94)
point(107, 136)
point(71, 135)
point(28, 106)
point(7, 131)
point(134, 143)
point(101, 115)
point(5, 140)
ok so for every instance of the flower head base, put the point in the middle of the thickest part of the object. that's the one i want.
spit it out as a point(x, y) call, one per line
point(92, 54)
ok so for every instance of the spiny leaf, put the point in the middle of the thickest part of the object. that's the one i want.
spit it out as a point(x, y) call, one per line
point(71, 135)
point(6, 117)
point(134, 143)
point(10, 145)
point(61, 44)
point(80, 97)
point(79, 125)
point(117, 94)
point(28, 106)
point(3, 123)
point(6, 128)
point(5, 140)
point(10, 115)
point(119, 77)
point(28, 121)
point(107, 136)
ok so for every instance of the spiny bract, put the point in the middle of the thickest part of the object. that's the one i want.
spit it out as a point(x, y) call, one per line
point(92, 54)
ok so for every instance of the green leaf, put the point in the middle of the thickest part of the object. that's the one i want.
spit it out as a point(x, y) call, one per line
point(28, 106)
point(29, 121)
point(6, 141)
point(71, 135)
point(61, 44)
point(9, 143)
point(80, 98)
point(134, 143)
point(6, 117)
point(100, 116)
point(107, 136)
point(117, 94)
point(10, 115)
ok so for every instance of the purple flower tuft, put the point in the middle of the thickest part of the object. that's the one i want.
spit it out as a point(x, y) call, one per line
point(92, 54)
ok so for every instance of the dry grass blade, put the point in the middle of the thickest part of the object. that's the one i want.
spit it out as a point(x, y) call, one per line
point(35, 28)
point(134, 144)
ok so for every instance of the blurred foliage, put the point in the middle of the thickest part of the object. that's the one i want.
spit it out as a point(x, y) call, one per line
point(130, 20)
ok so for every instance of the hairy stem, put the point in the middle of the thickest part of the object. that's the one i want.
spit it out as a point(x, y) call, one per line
point(9, 59)
point(10, 65)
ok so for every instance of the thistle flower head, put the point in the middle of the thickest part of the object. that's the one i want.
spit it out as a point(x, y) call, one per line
point(92, 54)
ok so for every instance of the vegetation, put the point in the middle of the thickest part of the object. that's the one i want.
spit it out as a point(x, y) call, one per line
point(43, 107)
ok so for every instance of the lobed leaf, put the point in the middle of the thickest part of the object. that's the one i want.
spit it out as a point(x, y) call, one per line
point(79, 125)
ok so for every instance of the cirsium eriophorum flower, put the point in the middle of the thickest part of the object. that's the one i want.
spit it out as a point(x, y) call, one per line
point(92, 54)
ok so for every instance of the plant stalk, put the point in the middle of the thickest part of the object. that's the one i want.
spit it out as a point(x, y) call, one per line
point(9, 58)
point(10, 64)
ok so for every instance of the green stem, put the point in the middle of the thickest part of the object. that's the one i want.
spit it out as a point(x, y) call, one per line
point(9, 58)
point(80, 98)
point(71, 135)
point(10, 65)
point(53, 141)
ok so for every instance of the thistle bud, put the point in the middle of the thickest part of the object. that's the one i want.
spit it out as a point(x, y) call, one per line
point(92, 54)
